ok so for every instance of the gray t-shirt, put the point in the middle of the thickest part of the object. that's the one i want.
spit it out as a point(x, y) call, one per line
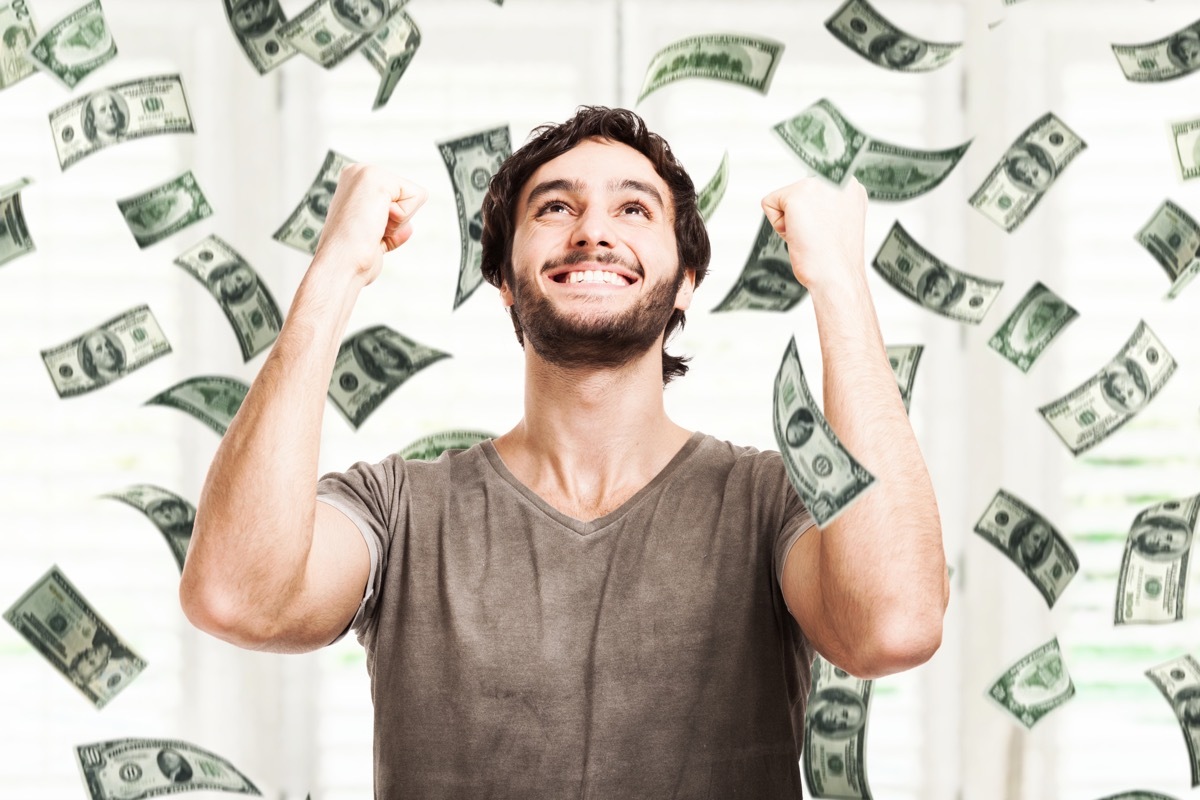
point(516, 652)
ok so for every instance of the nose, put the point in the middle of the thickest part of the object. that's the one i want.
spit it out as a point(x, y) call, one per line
point(593, 228)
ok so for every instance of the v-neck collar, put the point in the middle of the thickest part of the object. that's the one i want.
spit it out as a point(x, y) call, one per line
point(577, 525)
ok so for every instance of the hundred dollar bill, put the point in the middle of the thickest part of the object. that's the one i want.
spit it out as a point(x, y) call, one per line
point(61, 625)
point(14, 235)
point(245, 299)
point(828, 479)
point(1179, 682)
point(932, 283)
point(835, 732)
point(170, 513)
point(767, 282)
point(1038, 318)
point(256, 25)
point(1187, 276)
point(1173, 238)
point(904, 359)
point(1162, 60)
point(119, 113)
point(864, 30)
point(212, 399)
point(370, 365)
point(891, 172)
point(164, 210)
point(1030, 167)
point(1109, 399)
point(17, 32)
point(472, 161)
point(75, 46)
point(329, 30)
point(823, 139)
point(428, 448)
point(747, 60)
point(710, 196)
point(1034, 686)
point(109, 351)
point(302, 230)
point(1186, 138)
point(1154, 567)
point(1030, 542)
point(137, 769)
point(390, 51)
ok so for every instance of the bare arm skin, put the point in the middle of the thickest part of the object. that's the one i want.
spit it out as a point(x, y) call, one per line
point(870, 588)
point(270, 568)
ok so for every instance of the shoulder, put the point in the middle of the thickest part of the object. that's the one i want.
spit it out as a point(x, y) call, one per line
point(759, 471)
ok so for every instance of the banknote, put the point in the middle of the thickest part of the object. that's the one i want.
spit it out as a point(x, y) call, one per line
point(14, 235)
point(823, 139)
point(109, 351)
point(170, 513)
point(370, 365)
point(710, 196)
point(731, 57)
point(302, 230)
point(390, 51)
point(329, 30)
point(472, 161)
point(1179, 682)
point(428, 448)
point(119, 113)
point(75, 46)
point(1034, 686)
point(1173, 238)
point(137, 769)
point(1163, 59)
point(932, 283)
point(1110, 398)
point(1152, 584)
point(238, 289)
point(256, 25)
point(1187, 276)
point(835, 733)
point(212, 399)
point(1030, 542)
point(864, 30)
point(828, 479)
point(904, 359)
point(1027, 171)
point(55, 618)
point(1186, 138)
point(18, 32)
point(767, 282)
point(164, 210)
point(1038, 318)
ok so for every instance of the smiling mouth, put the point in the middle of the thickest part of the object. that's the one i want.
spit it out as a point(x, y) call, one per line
point(594, 276)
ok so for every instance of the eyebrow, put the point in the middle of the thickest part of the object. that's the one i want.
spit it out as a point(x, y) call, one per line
point(577, 186)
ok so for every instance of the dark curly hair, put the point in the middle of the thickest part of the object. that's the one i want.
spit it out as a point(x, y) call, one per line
point(549, 141)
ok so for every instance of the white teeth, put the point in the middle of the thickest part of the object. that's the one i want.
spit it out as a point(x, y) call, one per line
point(596, 276)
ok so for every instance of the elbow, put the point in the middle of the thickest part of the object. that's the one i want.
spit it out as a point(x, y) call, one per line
point(896, 647)
point(219, 613)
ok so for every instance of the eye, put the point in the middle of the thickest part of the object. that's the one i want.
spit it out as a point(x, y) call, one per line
point(636, 207)
point(552, 207)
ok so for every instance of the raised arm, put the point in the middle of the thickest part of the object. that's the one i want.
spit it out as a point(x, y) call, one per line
point(270, 568)
point(870, 588)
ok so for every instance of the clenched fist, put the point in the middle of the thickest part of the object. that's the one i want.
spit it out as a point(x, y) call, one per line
point(823, 227)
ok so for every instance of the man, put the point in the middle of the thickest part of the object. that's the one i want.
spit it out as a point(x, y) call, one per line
point(101, 356)
point(363, 16)
point(105, 117)
point(1123, 386)
point(596, 603)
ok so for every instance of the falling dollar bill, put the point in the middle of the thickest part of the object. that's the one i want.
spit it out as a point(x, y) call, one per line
point(119, 113)
point(390, 51)
point(1162, 60)
point(930, 282)
point(891, 173)
point(1027, 171)
point(170, 513)
point(370, 365)
point(827, 478)
point(256, 25)
point(1179, 682)
point(823, 139)
point(212, 399)
point(302, 230)
point(1154, 568)
point(710, 196)
point(835, 733)
point(472, 161)
point(241, 293)
point(14, 235)
point(17, 32)
point(109, 351)
point(1173, 238)
point(904, 359)
point(1186, 138)
point(1109, 399)
point(1030, 542)
point(1034, 686)
point(864, 30)
point(329, 30)
point(138, 769)
point(767, 282)
point(1038, 318)
point(164, 210)
point(746, 60)
point(428, 448)
point(61, 625)
point(75, 46)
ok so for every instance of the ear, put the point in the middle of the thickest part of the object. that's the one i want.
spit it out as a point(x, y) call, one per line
point(683, 298)
point(506, 295)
